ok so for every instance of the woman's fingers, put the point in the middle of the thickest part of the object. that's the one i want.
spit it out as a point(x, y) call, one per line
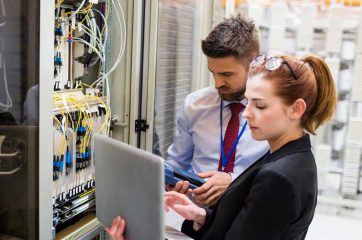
point(114, 227)
point(166, 207)
point(121, 227)
point(186, 211)
point(177, 198)
point(176, 195)
point(111, 230)
point(116, 231)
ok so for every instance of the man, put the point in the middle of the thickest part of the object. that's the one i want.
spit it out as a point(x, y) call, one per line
point(198, 146)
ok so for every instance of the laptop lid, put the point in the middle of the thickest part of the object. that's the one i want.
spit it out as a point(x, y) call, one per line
point(129, 183)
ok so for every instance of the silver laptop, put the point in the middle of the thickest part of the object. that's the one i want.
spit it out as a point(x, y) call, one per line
point(129, 183)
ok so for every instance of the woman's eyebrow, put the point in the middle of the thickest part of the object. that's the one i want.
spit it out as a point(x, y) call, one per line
point(257, 99)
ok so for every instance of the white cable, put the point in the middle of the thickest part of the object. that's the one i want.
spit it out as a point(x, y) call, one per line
point(100, 54)
point(14, 154)
point(105, 28)
point(103, 41)
point(123, 46)
point(95, 35)
point(108, 99)
point(87, 43)
point(96, 42)
point(11, 172)
point(90, 29)
point(76, 11)
point(100, 45)
point(91, 22)
point(9, 102)
point(58, 10)
point(94, 25)
point(99, 34)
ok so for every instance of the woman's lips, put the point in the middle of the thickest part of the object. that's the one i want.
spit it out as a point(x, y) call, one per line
point(253, 128)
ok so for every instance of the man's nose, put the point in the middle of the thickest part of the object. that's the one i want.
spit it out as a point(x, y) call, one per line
point(218, 82)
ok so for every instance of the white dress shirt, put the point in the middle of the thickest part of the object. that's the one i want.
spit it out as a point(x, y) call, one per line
point(196, 144)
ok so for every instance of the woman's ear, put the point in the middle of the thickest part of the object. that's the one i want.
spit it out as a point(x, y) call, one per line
point(297, 109)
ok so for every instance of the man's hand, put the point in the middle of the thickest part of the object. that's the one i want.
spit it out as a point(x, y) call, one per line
point(210, 192)
point(181, 187)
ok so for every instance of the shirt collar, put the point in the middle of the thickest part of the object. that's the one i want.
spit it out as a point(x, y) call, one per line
point(298, 145)
point(243, 101)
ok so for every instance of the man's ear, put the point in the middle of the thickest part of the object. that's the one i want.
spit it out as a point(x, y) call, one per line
point(297, 109)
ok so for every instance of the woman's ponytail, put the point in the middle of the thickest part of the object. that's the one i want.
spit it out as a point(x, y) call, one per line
point(326, 98)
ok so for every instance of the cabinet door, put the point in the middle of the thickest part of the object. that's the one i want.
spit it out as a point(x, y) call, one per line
point(177, 48)
point(19, 118)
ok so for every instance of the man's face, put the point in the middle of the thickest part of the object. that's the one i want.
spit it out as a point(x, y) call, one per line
point(229, 76)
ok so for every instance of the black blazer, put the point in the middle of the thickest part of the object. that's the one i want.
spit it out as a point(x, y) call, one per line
point(275, 198)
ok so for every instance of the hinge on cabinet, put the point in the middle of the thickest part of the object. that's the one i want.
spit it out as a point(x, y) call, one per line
point(141, 125)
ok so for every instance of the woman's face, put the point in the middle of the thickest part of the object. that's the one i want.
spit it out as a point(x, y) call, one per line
point(267, 115)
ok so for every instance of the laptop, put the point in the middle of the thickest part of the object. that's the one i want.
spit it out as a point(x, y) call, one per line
point(129, 183)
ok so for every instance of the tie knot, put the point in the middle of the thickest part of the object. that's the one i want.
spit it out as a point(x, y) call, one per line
point(236, 108)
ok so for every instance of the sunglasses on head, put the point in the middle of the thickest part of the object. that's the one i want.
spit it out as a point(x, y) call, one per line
point(272, 63)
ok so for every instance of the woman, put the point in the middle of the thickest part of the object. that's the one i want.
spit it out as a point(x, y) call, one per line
point(275, 198)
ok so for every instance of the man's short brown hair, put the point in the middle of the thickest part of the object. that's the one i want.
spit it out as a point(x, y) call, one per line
point(235, 36)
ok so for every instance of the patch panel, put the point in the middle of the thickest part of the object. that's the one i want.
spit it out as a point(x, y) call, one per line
point(80, 108)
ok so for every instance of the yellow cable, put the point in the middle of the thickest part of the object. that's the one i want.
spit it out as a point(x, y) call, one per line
point(88, 121)
point(62, 148)
point(71, 119)
point(88, 86)
point(86, 193)
point(85, 119)
point(63, 139)
point(90, 125)
point(109, 121)
point(86, 11)
point(90, 131)
point(106, 117)
point(75, 101)
point(58, 4)
point(64, 144)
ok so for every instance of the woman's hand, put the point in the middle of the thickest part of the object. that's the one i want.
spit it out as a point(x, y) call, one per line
point(117, 229)
point(185, 207)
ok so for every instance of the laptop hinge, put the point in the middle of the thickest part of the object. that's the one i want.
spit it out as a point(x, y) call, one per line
point(141, 125)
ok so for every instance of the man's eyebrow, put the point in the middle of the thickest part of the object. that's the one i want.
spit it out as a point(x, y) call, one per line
point(220, 72)
point(224, 72)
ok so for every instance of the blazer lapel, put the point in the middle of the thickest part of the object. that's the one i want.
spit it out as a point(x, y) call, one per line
point(246, 173)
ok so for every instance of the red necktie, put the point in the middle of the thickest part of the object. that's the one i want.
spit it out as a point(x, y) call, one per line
point(231, 134)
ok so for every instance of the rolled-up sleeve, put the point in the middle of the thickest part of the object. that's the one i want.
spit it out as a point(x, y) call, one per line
point(180, 152)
